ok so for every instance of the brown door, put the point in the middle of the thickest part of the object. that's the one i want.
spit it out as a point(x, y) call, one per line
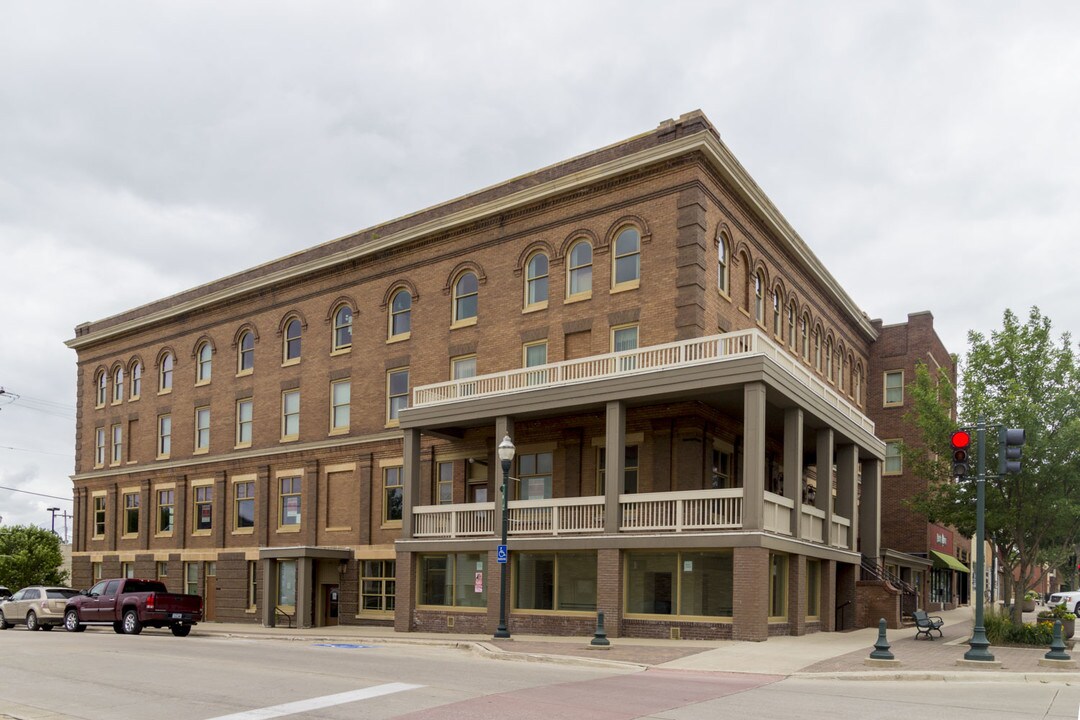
point(209, 590)
point(330, 604)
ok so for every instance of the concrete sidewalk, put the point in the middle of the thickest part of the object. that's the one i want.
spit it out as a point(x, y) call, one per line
point(819, 655)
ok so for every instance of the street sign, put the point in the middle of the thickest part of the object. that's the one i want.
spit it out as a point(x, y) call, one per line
point(502, 554)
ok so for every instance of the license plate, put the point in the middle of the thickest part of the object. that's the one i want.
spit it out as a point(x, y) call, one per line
point(177, 616)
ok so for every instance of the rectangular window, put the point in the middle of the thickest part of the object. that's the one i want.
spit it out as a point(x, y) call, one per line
point(164, 436)
point(444, 490)
point(894, 461)
point(99, 516)
point(689, 584)
point(204, 507)
point(202, 429)
point(463, 367)
point(340, 398)
point(623, 339)
point(252, 583)
point(813, 589)
point(894, 387)
point(453, 580)
point(286, 583)
point(536, 353)
point(166, 510)
point(127, 570)
point(397, 385)
point(778, 583)
point(535, 471)
point(131, 513)
point(117, 444)
point(393, 494)
point(290, 501)
point(99, 447)
point(290, 415)
point(630, 469)
point(191, 578)
point(244, 414)
point(377, 586)
point(245, 504)
point(162, 570)
point(722, 467)
point(555, 581)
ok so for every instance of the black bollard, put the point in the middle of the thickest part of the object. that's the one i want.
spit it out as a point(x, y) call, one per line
point(1057, 645)
point(600, 637)
point(881, 647)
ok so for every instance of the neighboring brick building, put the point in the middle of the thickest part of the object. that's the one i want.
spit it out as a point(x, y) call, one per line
point(641, 312)
point(932, 558)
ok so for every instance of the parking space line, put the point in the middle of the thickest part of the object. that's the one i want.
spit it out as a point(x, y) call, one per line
point(318, 703)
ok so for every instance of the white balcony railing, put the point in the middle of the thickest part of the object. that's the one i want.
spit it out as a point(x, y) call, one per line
point(559, 516)
point(841, 532)
point(778, 511)
point(679, 511)
point(812, 527)
point(685, 353)
point(451, 521)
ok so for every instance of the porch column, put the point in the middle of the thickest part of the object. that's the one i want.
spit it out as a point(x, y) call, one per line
point(267, 589)
point(847, 462)
point(753, 456)
point(303, 592)
point(870, 510)
point(614, 463)
point(504, 425)
point(410, 449)
point(823, 465)
point(793, 465)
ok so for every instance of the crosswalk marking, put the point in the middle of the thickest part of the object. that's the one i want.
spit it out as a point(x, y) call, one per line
point(318, 703)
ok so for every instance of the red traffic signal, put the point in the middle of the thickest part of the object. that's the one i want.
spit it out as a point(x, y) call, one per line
point(960, 441)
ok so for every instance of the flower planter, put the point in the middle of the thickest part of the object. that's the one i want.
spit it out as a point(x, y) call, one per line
point(1028, 605)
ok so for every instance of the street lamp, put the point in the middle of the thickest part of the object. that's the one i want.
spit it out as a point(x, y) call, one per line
point(53, 510)
point(506, 456)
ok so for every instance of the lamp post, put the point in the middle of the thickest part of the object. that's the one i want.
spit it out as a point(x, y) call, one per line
point(506, 456)
point(979, 644)
point(53, 510)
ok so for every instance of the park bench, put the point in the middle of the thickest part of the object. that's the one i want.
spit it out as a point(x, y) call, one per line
point(926, 624)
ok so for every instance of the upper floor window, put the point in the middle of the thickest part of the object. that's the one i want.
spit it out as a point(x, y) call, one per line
point(856, 385)
point(164, 436)
point(759, 298)
point(627, 257)
point(202, 429)
point(290, 501)
point(99, 516)
point(463, 367)
point(777, 314)
point(290, 415)
point(203, 365)
point(444, 484)
point(804, 332)
point(340, 396)
point(244, 415)
point(393, 494)
point(466, 297)
point(817, 349)
point(136, 380)
point(829, 359)
point(118, 385)
point(722, 263)
point(579, 270)
point(535, 353)
point(894, 460)
point(166, 375)
point(204, 507)
point(343, 318)
point(101, 380)
point(166, 510)
point(131, 513)
point(245, 505)
point(291, 349)
point(536, 281)
point(535, 471)
point(99, 446)
point(894, 387)
point(245, 360)
point(401, 314)
point(117, 444)
point(397, 395)
point(630, 469)
point(791, 314)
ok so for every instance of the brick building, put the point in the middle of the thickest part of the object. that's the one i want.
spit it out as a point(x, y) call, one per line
point(314, 440)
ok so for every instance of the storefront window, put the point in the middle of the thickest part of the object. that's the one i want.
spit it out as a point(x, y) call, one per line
point(694, 584)
point(287, 583)
point(454, 580)
point(555, 581)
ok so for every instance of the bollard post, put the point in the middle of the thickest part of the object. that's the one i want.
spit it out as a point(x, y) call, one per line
point(881, 647)
point(600, 636)
point(1057, 645)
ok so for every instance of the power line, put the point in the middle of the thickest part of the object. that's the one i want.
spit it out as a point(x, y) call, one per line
point(27, 492)
point(46, 407)
point(42, 452)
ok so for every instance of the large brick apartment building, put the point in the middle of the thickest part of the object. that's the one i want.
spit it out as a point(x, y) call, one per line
point(689, 392)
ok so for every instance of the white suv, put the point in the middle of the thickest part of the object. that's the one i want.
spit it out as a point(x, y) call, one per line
point(1071, 600)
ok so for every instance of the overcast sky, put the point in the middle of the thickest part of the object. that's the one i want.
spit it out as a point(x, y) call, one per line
point(927, 152)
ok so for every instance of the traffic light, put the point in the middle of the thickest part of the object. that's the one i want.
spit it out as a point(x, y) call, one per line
point(1010, 447)
point(960, 441)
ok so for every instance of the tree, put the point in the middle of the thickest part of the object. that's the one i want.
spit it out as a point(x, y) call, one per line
point(1019, 377)
point(30, 556)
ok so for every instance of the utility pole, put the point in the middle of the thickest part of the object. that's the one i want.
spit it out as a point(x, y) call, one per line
point(53, 510)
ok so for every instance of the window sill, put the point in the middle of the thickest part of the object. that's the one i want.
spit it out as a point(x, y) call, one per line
point(393, 424)
point(289, 438)
point(893, 405)
point(341, 351)
point(201, 383)
point(97, 537)
point(723, 294)
point(744, 311)
point(338, 431)
point(536, 307)
point(453, 608)
point(338, 529)
point(200, 451)
point(288, 528)
point(624, 287)
point(241, 446)
point(134, 398)
point(166, 391)
point(245, 373)
point(129, 536)
point(398, 338)
point(290, 363)
point(467, 322)
point(244, 531)
point(201, 533)
point(162, 457)
point(580, 297)
point(390, 525)
point(163, 534)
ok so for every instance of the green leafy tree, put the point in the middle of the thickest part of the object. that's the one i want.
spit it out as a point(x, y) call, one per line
point(30, 556)
point(1019, 377)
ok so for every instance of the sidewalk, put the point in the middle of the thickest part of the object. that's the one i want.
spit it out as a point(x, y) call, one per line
point(819, 655)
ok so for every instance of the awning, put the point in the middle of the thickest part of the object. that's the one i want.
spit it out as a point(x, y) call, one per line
point(941, 560)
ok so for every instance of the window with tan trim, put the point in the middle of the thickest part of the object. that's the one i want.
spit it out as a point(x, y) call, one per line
point(244, 503)
point(203, 363)
point(536, 282)
point(290, 415)
point(204, 508)
point(99, 516)
point(626, 260)
point(466, 299)
point(244, 415)
point(723, 283)
point(397, 393)
point(118, 386)
point(289, 502)
point(131, 513)
point(99, 447)
point(136, 380)
point(166, 503)
point(894, 388)
point(813, 589)
point(101, 381)
point(340, 403)
point(165, 373)
point(759, 298)
point(245, 355)
point(290, 346)
point(579, 271)
point(202, 429)
point(777, 315)
point(401, 315)
point(894, 459)
point(343, 324)
point(117, 444)
point(778, 585)
point(393, 495)
point(164, 436)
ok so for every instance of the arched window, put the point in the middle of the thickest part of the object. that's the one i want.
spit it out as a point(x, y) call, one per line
point(817, 348)
point(136, 380)
point(466, 297)
point(401, 313)
point(118, 385)
point(791, 315)
point(291, 348)
point(759, 298)
point(166, 373)
point(840, 370)
point(804, 332)
point(203, 366)
point(245, 359)
point(579, 269)
point(343, 318)
point(627, 257)
point(777, 314)
point(101, 381)
point(828, 359)
point(536, 280)
point(856, 384)
point(722, 263)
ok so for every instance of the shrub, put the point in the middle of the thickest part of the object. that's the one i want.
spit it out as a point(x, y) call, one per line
point(1001, 630)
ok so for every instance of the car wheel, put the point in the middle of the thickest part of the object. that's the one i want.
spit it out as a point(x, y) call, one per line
point(4, 624)
point(31, 621)
point(1077, 608)
point(71, 621)
point(118, 627)
point(132, 626)
point(180, 630)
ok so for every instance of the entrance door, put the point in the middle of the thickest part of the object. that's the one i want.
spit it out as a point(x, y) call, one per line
point(330, 604)
point(209, 590)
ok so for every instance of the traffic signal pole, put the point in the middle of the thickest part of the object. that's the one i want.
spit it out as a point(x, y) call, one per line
point(979, 644)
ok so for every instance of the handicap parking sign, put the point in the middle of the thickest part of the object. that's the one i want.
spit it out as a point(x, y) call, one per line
point(502, 553)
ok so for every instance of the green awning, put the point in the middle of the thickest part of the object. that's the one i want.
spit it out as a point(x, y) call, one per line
point(941, 560)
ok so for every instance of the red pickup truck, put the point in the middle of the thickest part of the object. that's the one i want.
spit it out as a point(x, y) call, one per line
point(129, 604)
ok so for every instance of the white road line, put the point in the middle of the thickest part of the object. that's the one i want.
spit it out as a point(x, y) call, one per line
point(320, 702)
